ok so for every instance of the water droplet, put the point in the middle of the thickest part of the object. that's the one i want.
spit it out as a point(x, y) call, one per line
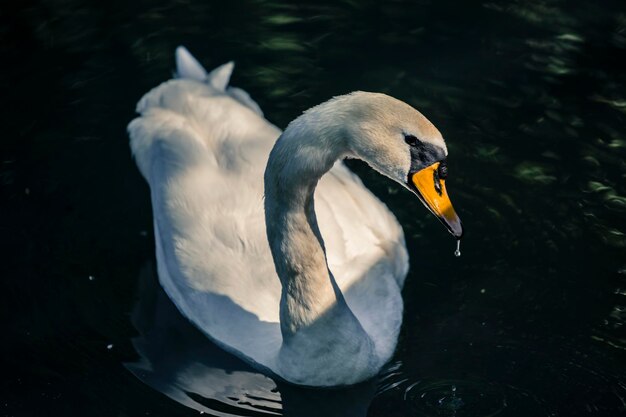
point(457, 252)
point(110, 346)
point(91, 277)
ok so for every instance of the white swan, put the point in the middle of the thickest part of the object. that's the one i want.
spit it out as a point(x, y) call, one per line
point(328, 309)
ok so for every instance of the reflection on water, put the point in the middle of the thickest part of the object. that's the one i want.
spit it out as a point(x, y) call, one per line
point(530, 97)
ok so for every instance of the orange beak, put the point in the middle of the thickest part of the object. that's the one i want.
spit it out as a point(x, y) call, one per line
point(431, 189)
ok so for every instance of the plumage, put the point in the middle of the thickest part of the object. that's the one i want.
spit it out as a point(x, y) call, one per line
point(203, 147)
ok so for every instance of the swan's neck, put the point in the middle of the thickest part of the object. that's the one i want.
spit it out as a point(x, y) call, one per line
point(321, 335)
point(313, 312)
point(294, 167)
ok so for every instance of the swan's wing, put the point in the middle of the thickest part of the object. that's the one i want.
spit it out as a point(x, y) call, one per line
point(361, 226)
point(203, 154)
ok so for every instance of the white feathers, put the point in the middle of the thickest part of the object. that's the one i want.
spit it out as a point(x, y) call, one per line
point(220, 76)
point(244, 98)
point(187, 66)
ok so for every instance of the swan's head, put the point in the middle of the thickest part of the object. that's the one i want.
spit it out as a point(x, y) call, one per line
point(399, 142)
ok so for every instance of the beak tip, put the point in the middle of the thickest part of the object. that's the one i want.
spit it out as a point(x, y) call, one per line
point(456, 229)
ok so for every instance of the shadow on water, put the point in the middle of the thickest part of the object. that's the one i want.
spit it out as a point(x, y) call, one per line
point(179, 361)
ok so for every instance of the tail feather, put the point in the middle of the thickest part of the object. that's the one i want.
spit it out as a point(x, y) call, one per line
point(188, 67)
point(220, 76)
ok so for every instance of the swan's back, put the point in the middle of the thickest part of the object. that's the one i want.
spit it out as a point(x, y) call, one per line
point(203, 147)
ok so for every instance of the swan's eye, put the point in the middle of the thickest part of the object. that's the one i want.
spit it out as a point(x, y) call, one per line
point(411, 140)
point(443, 170)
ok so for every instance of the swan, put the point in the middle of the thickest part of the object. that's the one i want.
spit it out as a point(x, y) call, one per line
point(265, 240)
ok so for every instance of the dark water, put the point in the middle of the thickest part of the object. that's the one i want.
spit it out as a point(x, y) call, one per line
point(531, 98)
